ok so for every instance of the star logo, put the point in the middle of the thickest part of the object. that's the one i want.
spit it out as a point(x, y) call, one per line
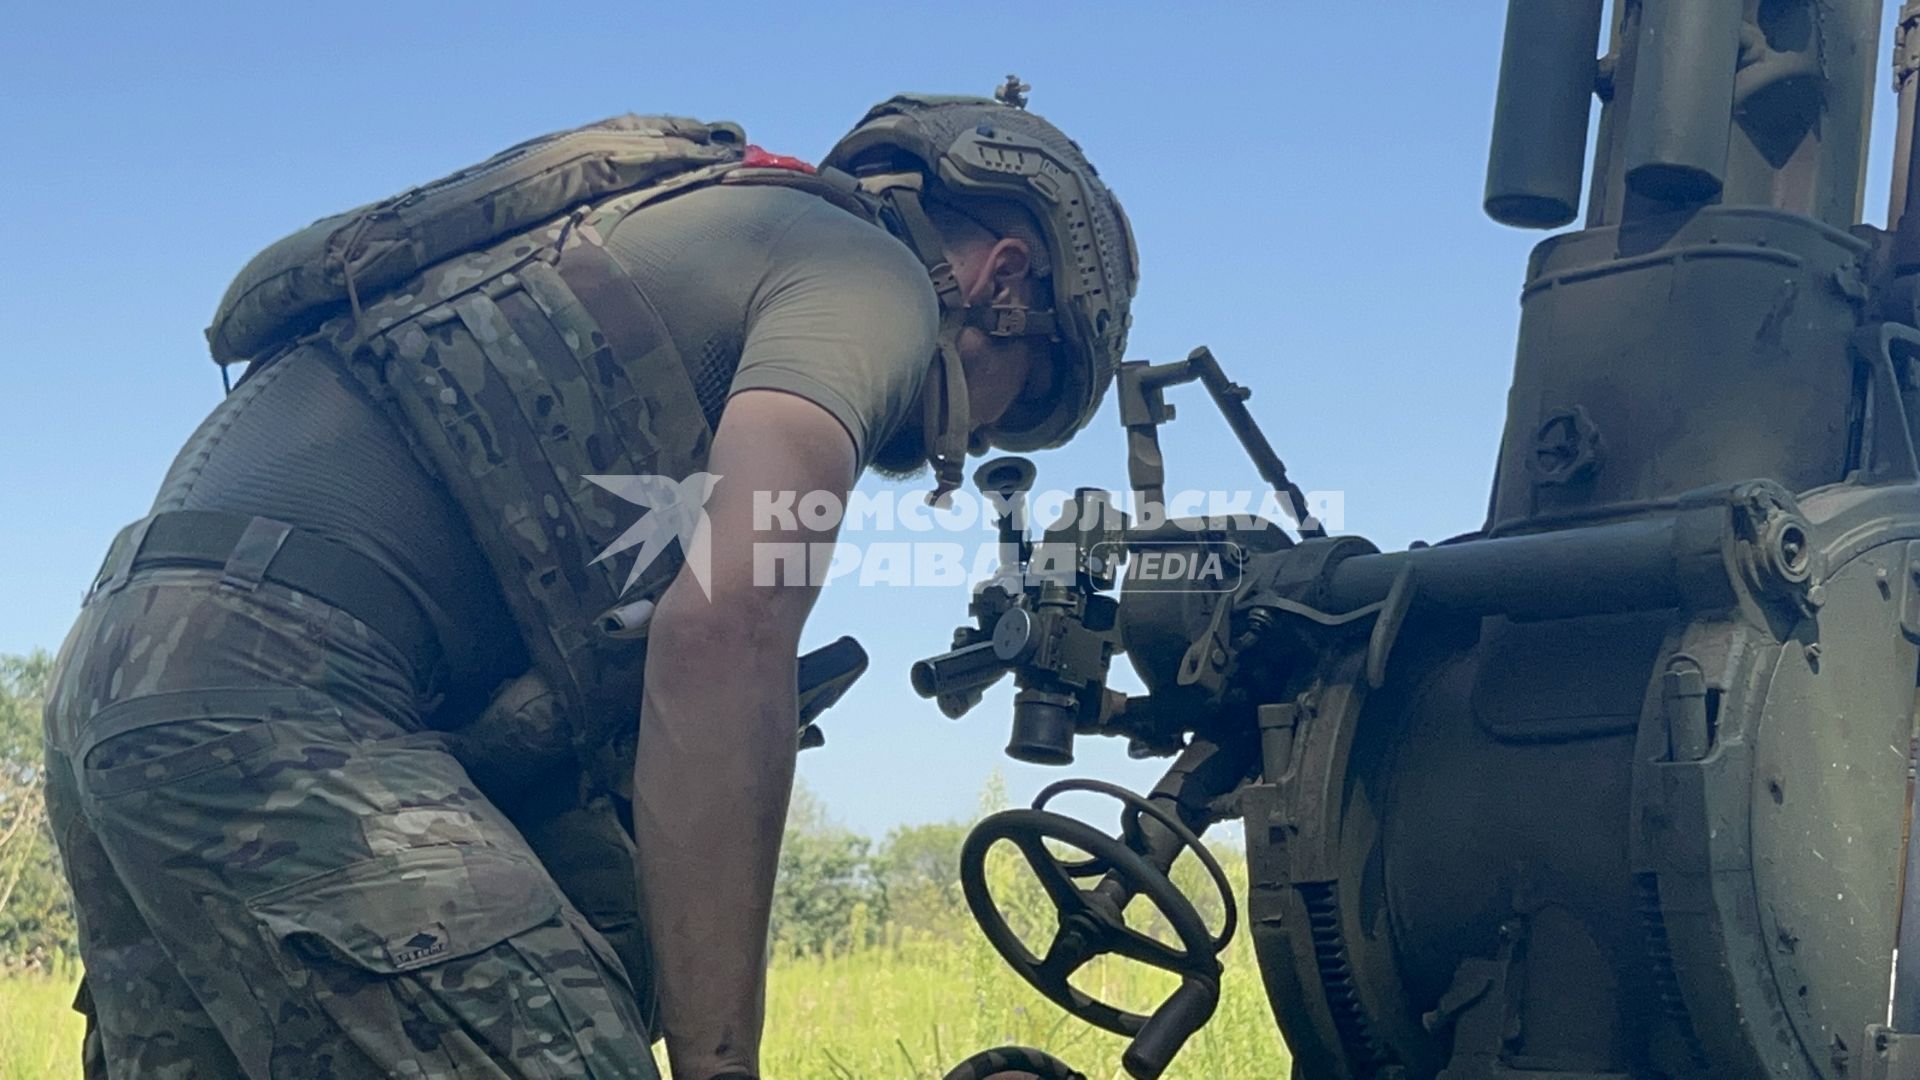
point(675, 510)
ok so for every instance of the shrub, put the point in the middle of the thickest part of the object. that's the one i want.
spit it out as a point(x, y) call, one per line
point(36, 922)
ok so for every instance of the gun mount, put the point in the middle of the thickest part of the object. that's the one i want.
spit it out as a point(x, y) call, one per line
point(1619, 785)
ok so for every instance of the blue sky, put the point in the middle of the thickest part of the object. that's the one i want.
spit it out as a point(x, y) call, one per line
point(1304, 179)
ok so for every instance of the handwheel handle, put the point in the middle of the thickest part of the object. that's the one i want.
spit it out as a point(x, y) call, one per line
point(1169, 1028)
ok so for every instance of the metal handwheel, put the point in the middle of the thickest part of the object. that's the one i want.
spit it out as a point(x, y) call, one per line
point(1092, 922)
point(1003, 1059)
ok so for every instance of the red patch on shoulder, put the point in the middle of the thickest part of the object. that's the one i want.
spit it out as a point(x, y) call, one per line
point(757, 158)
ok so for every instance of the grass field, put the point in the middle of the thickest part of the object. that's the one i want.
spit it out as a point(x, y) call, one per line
point(915, 1011)
point(905, 1012)
point(40, 1035)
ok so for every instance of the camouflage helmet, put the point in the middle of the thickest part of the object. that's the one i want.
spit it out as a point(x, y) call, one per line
point(973, 148)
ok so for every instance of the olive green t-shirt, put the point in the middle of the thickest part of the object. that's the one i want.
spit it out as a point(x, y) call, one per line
point(767, 288)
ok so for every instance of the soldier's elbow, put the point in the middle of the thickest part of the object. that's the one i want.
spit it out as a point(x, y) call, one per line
point(731, 625)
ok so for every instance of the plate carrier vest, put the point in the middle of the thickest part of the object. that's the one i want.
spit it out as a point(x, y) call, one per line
point(518, 357)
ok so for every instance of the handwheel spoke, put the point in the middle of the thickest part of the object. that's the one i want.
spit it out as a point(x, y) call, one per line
point(1132, 944)
point(1067, 897)
point(1091, 866)
point(1068, 954)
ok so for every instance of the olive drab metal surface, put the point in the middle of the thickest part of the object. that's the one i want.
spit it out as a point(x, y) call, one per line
point(1618, 786)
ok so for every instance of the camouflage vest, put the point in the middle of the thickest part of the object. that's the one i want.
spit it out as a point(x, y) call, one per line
point(524, 364)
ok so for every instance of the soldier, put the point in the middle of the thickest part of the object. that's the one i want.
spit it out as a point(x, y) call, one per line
point(279, 868)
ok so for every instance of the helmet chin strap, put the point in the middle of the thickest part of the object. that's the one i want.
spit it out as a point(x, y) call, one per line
point(947, 418)
point(947, 413)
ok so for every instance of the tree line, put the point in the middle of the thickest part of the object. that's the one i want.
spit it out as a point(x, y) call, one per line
point(36, 921)
point(839, 890)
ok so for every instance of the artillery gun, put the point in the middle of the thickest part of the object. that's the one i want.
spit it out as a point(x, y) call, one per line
point(1620, 785)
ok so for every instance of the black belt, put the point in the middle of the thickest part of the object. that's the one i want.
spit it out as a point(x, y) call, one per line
point(250, 550)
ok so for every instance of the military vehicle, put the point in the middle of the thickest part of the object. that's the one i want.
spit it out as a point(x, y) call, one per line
point(1619, 785)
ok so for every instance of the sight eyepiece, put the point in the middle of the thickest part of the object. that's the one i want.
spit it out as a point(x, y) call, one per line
point(1005, 476)
point(1042, 728)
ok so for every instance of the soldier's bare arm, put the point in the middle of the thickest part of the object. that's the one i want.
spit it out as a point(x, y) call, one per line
point(716, 746)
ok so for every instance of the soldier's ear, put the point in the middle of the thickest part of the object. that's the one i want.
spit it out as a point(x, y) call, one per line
point(1010, 262)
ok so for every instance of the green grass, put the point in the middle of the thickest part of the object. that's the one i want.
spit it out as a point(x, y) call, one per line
point(915, 1010)
point(909, 1011)
point(41, 1033)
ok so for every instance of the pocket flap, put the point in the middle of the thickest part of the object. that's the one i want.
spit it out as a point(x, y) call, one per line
point(413, 908)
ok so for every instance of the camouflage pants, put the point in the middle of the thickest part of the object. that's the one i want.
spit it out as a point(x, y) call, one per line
point(280, 874)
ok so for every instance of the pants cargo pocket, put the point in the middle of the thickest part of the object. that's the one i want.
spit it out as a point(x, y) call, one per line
point(162, 739)
point(452, 960)
point(590, 856)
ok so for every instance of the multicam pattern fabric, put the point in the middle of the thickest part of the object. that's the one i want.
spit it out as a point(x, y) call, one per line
point(280, 873)
point(517, 379)
point(294, 284)
point(519, 369)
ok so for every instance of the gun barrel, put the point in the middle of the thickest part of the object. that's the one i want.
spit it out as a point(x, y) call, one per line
point(1539, 154)
point(974, 667)
point(1637, 565)
point(1677, 140)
